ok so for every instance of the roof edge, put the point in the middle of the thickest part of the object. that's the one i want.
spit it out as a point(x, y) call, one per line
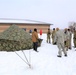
point(11, 19)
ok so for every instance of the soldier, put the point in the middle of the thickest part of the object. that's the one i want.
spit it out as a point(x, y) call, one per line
point(57, 29)
point(70, 37)
point(74, 38)
point(59, 39)
point(48, 36)
point(53, 35)
point(35, 39)
point(66, 39)
point(30, 31)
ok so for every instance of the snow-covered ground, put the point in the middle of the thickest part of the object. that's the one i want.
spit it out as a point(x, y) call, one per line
point(44, 62)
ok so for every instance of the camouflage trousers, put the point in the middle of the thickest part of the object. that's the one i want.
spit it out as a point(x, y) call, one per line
point(61, 49)
point(74, 40)
point(48, 40)
point(66, 45)
point(53, 40)
point(69, 43)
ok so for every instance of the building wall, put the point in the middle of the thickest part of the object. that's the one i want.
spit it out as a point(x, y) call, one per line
point(28, 27)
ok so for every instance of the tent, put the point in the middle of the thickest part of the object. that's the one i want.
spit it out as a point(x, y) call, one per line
point(16, 39)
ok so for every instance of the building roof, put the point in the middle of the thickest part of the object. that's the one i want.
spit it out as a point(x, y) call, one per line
point(22, 21)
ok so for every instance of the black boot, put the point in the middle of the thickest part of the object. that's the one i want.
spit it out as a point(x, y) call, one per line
point(65, 55)
point(58, 56)
point(35, 50)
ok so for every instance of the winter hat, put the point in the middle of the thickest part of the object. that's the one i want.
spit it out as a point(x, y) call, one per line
point(35, 29)
point(57, 29)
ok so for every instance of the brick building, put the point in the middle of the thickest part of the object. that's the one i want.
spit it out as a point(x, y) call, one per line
point(25, 24)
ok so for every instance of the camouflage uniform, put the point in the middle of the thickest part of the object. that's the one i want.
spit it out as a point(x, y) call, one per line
point(74, 38)
point(66, 39)
point(53, 35)
point(59, 39)
point(70, 37)
point(48, 36)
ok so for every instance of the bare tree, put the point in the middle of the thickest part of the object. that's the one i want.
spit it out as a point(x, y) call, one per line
point(72, 25)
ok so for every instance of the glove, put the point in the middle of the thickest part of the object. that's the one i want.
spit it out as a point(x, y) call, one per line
point(65, 42)
point(54, 43)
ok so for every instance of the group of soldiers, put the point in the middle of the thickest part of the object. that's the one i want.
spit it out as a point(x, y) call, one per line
point(62, 38)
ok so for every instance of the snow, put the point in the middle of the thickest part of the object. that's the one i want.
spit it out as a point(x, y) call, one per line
point(10, 20)
point(44, 62)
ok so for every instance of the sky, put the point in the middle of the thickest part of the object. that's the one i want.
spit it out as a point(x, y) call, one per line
point(57, 12)
point(44, 62)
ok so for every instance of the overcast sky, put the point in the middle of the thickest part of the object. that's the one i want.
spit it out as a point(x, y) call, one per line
point(57, 12)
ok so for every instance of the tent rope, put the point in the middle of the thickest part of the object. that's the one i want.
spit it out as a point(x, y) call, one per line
point(25, 57)
point(29, 56)
point(22, 58)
